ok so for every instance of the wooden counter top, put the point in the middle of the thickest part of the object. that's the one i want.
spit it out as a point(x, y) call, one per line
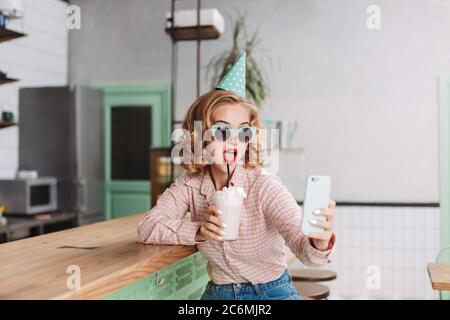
point(107, 253)
point(439, 275)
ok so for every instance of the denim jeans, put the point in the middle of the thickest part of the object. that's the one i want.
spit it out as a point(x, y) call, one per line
point(279, 289)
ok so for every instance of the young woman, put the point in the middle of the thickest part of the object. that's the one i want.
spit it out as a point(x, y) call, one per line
point(253, 266)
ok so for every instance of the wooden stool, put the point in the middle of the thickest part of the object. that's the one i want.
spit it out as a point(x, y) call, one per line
point(311, 290)
point(312, 275)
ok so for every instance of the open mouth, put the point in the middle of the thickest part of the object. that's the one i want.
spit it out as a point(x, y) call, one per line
point(229, 155)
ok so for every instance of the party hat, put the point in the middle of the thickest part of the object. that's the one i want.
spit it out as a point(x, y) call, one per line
point(234, 80)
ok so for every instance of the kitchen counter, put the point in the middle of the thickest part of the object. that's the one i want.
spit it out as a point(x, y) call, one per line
point(99, 261)
point(19, 227)
point(439, 274)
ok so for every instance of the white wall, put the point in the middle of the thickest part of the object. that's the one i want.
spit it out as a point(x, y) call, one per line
point(365, 100)
point(39, 59)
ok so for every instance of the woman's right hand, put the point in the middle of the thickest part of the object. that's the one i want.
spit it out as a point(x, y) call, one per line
point(212, 226)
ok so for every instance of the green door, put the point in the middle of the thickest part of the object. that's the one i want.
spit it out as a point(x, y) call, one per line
point(136, 117)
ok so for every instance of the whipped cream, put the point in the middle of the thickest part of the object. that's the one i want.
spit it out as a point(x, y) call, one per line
point(232, 191)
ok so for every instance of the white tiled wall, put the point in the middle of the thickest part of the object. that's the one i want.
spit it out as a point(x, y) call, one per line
point(39, 59)
point(399, 240)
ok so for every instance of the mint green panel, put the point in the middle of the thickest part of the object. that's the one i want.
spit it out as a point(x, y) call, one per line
point(125, 198)
point(125, 204)
point(185, 279)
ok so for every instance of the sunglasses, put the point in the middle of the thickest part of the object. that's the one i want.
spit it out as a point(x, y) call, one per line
point(222, 133)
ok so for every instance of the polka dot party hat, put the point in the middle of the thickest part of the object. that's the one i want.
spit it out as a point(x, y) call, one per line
point(234, 80)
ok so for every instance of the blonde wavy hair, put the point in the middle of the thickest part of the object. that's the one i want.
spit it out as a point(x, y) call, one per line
point(202, 109)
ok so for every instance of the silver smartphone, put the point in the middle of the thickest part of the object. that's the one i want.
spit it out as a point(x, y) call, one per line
point(317, 195)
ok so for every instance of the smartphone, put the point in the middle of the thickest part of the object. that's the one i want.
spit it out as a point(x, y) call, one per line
point(317, 195)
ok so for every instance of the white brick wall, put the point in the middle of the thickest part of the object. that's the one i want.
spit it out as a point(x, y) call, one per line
point(400, 240)
point(39, 59)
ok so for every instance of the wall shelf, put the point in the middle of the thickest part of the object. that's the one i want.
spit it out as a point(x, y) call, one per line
point(190, 33)
point(7, 80)
point(6, 124)
point(8, 34)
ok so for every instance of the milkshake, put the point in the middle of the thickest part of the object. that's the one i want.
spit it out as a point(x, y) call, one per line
point(230, 201)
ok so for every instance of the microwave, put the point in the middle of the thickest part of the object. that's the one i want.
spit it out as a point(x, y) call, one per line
point(29, 196)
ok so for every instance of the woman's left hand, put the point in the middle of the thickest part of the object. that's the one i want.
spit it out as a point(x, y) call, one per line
point(321, 240)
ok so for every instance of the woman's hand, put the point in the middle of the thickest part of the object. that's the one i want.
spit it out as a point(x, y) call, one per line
point(321, 240)
point(212, 226)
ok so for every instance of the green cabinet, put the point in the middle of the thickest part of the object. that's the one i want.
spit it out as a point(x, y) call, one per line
point(136, 117)
point(185, 279)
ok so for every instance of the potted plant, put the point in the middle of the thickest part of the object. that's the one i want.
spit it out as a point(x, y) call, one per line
point(220, 64)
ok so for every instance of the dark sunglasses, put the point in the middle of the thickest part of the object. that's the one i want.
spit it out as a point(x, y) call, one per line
point(222, 133)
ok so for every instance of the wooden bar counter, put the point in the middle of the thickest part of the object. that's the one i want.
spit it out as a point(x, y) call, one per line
point(107, 259)
point(439, 275)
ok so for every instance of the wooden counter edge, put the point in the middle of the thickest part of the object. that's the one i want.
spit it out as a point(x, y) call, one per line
point(435, 284)
point(111, 283)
